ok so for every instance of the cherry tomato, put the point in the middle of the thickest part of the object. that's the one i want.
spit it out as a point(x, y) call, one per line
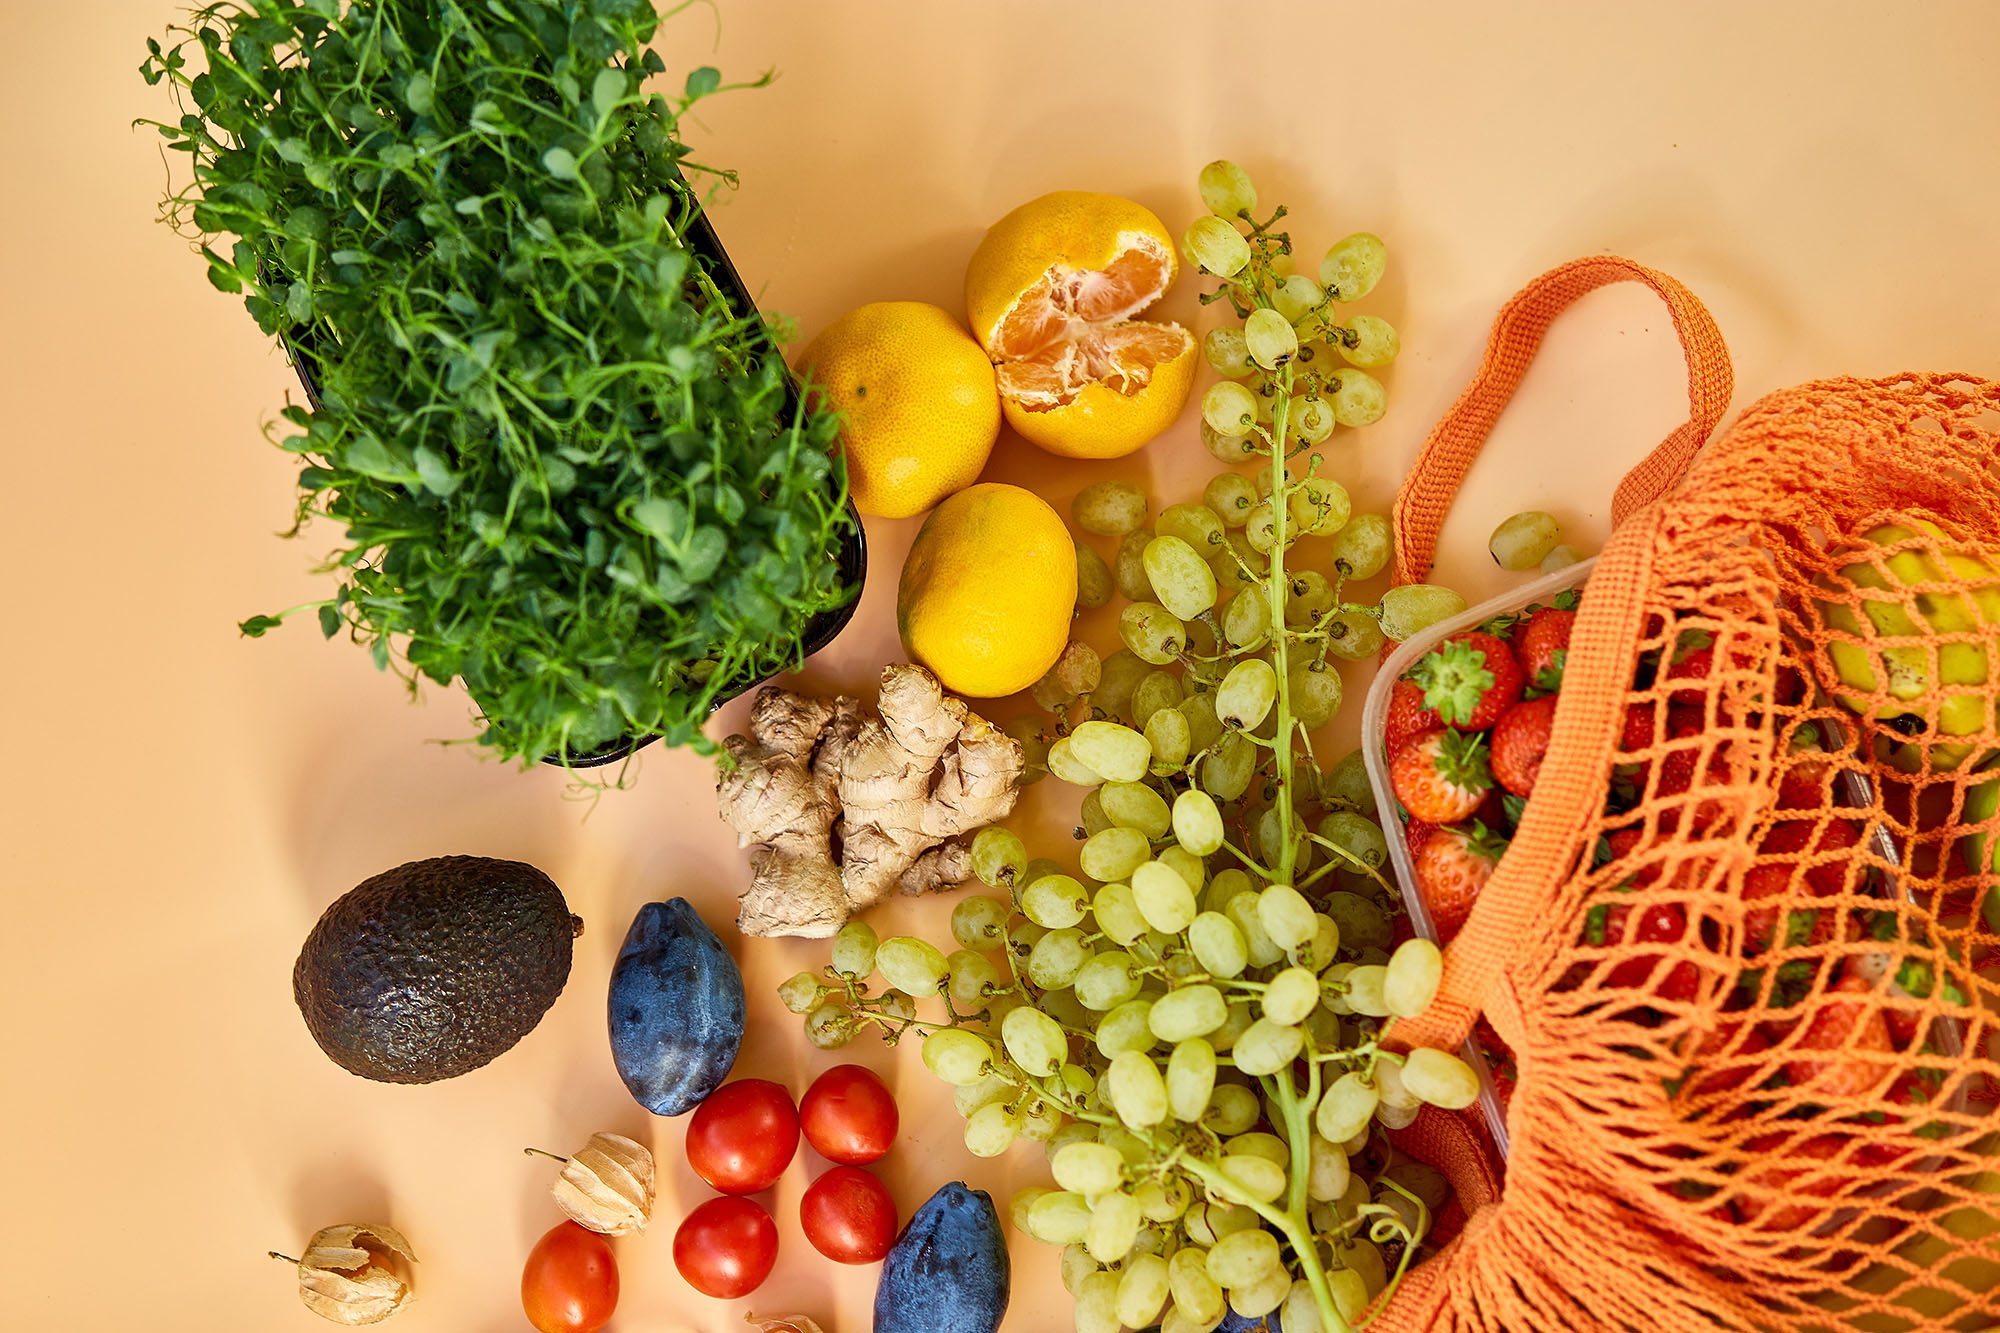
point(743, 1137)
point(849, 1115)
point(848, 1216)
point(726, 1247)
point(570, 1284)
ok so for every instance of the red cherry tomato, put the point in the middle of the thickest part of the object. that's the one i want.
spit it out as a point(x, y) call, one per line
point(849, 1115)
point(848, 1216)
point(744, 1136)
point(726, 1247)
point(570, 1284)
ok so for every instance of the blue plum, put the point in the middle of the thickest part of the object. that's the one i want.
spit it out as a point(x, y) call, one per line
point(948, 1271)
point(676, 1009)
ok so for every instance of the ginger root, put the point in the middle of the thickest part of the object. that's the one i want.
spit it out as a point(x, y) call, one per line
point(840, 808)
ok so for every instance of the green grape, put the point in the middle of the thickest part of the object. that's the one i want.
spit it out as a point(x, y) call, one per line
point(1360, 837)
point(1229, 408)
point(1268, 1047)
point(1226, 191)
point(1135, 1150)
point(1308, 596)
point(1561, 557)
point(1368, 341)
point(1262, 1180)
point(1073, 1131)
point(1196, 524)
point(1065, 765)
point(1240, 565)
point(1411, 980)
point(1117, 914)
point(1118, 681)
point(1125, 1028)
point(1218, 944)
point(1319, 506)
point(1216, 246)
point(1201, 641)
point(854, 950)
point(912, 966)
point(1229, 496)
point(1333, 988)
point(1107, 981)
point(979, 922)
point(1361, 549)
point(1152, 632)
point(1291, 995)
point(1316, 693)
point(1180, 577)
point(1311, 419)
point(1054, 901)
point(1114, 853)
point(1328, 1172)
point(1230, 766)
point(992, 1129)
point(1345, 1108)
point(1353, 265)
point(1415, 607)
point(1128, 566)
point(1296, 297)
point(1271, 338)
point(1055, 959)
point(1229, 447)
point(1117, 752)
point(1076, 672)
point(1440, 1078)
point(1203, 725)
point(1087, 1168)
point(1189, 1011)
point(1521, 541)
point(1164, 898)
point(1319, 951)
point(1062, 1005)
point(1172, 739)
point(1142, 1290)
point(1299, 1313)
point(1039, 1120)
point(1263, 1296)
point(1243, 910)
point(1246, 694)
point(1157, 690)
point(1023, 1203)
point(1232, 1108)
point(1350, 1292)
point(1286, 916)
point(1026, 731)
point(800, 993)
point(957, 1056)
point(1226, 351)
point(1109, 508)
point(1076, 1266)
point(968, 978)
point(1246, 618)
point(1364, 1258)
point(898, 1006)
point(1244, 1257)
point(1137, 1092)
point(1358, 398)
point(1222, 890)
point(1260, 529)
point(1347, 783)
point(1093, 578)
point(998, 858)
point(1058, 1218)
point(1256, 1143)
point(1134, 805)
point(1197, 823)
point(1273, 838)
point(1191, 868)
point(1365, 990)
point(1353, 636)
point(1034, 1041)
point(1392, 1089)
point(1197, 1296)
point(1090, 814)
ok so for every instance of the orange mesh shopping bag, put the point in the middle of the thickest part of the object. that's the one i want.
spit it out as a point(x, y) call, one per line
point(1776, 743)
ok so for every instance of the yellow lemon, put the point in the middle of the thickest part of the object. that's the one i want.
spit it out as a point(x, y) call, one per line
point(918, 408)
point(988, 590)
point(1051, 293)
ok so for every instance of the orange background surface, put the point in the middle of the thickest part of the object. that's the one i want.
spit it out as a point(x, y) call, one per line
point(181, 803)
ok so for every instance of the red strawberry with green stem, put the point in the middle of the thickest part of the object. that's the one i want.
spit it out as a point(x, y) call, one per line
point(1407, 716)
point(1521, 741)
point(1470, 679)
point(1441, 776)
point(1452, 866)
point(1542, 645)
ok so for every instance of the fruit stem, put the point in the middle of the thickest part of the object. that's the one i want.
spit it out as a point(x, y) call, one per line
point(543, 1152)
point(1281, 873)
point(273, 1254)
point(1297, 1235)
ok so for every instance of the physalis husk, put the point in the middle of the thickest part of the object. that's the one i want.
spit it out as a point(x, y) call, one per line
point(355, 1274)
point(607, 1186)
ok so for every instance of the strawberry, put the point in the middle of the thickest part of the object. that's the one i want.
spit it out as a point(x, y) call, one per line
point(1728, 1057)
point(1775, 1169)
point(1470, 679)
point(1441, 776)
point(1839, 1051)
point(1831, 871)
point(1407, 716)
point(1521, 742)
point(1660, 923)
point(1694, 659)
point(1807, 782)
point(1542, 645)
point(1451, 866)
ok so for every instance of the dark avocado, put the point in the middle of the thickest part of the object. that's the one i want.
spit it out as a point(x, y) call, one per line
point(430, 970)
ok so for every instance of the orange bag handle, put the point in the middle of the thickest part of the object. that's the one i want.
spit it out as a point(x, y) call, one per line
point(1433, 481)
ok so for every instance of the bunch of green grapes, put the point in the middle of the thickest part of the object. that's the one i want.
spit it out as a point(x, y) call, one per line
point(1190, 1025)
